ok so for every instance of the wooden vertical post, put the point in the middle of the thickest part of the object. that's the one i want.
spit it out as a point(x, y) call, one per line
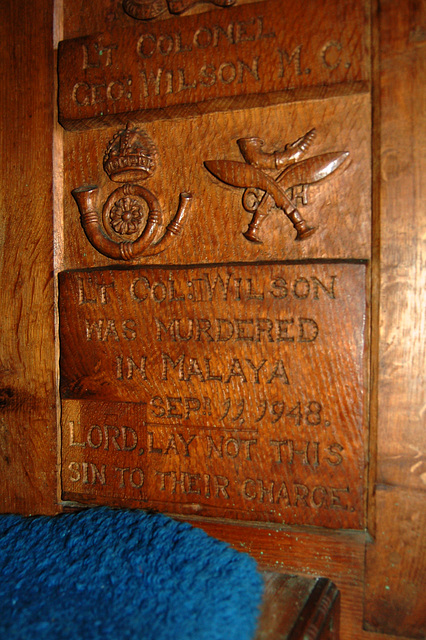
point(27, 355)
point(395, 569)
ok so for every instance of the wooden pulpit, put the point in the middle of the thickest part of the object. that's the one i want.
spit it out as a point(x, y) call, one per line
point(213, 287)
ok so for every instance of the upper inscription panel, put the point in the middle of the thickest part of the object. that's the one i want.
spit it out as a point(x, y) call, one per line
point(235, 391)
point(227, 58)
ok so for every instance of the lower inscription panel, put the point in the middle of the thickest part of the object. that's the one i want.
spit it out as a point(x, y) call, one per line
point(234, 391)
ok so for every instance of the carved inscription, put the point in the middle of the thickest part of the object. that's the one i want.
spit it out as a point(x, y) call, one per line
point(248, 50)
point(232, 390)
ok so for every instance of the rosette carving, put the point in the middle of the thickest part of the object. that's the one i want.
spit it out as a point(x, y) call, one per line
point(131, 210)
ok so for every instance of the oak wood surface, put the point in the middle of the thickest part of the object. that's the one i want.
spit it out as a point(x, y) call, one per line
point(215, 232)
point(395, 573)
point(249, 424)
point(294, 607)
point(340, 556)
point(81, 18)
point(244, 55)
point(339, 206)
point(384, 595)
point(27, 356)
point(396, 563)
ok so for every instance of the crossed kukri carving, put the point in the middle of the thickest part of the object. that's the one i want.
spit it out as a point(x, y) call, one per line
point(150, 9)
point(271, 179)
point(131, 210)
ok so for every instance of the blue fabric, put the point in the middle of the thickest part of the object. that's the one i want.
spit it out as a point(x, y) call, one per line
point(114, 575)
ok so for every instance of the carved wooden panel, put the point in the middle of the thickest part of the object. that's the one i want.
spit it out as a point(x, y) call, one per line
point(337, 204)
point(234, 390)
point(244, 55)
point(384, 594)
point(214, 278)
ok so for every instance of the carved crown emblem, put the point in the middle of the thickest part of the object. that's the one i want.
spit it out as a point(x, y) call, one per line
point(131, 156)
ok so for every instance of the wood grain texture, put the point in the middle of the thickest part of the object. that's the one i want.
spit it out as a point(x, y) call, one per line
point(215, 61)
point(402, 422)
point(28, 425)
point(395, 571)
point(248, 400)
point(27, 396)
point(396, 564)
point(295, 607)
point(339, 206)
point(339, 556)
point(83, 18)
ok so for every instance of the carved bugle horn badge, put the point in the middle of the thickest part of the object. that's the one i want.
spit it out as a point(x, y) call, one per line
point(277, 179)
point(132, 212)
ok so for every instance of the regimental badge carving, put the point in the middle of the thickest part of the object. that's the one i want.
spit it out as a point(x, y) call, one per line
point(131, 155)
point(150, 9)
point(276, 179)
point(131, 211)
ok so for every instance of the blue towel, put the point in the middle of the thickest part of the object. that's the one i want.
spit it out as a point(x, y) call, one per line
point(117, 574)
